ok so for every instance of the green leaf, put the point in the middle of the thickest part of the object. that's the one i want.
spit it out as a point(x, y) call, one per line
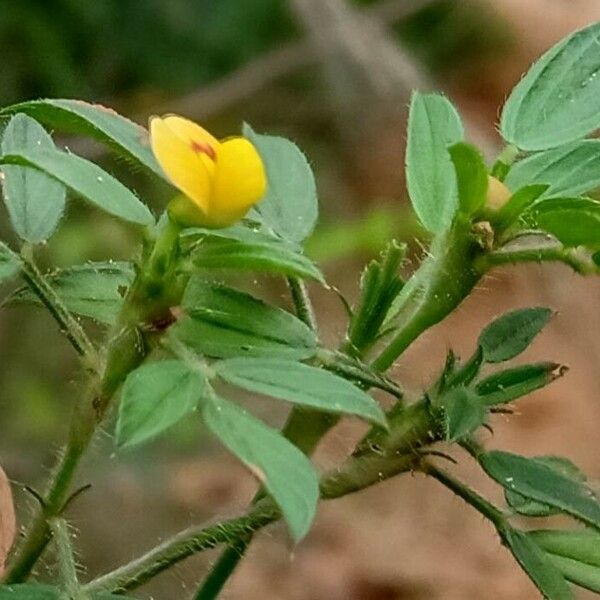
point(433, 124)
point(154, 397)
point(266, 258)
point(510, 334)
point(96, 121)
point(531, 508)
point(85, 179)
point(35, 202)
point(572, 221)
point(286, 473)
point(558, 100)
point(223, 322)
point(290, 207)
point(301, 384)
point(471, 177)
point(506, 386)
point(30, 591)
point(575, 553)
point(463, 413)
point(516, 205)
point(9, 262)
point(570, 170)
point(537, 565)
point(93, 290)
point(538, 481)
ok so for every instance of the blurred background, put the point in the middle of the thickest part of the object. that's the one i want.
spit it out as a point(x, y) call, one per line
point(335, 76)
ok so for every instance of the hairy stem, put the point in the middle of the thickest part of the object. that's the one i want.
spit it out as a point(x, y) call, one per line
point(442, 282)
point(125, 352)
point(302, 303)
point(579, 262)
point(38, 535)
point(66, 321)
point(471, 497)
point(223, 569)
point(86, 417)
point(66, 561)
point(183, 545)
point(414, 427)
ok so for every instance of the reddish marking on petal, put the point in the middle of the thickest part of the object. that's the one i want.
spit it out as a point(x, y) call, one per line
point(204, 148)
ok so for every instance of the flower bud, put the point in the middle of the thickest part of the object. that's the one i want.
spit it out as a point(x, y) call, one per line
point(498, 194)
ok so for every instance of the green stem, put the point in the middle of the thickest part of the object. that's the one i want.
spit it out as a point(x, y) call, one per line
point(471, 497)
point(302, 303)
point(126, 351)
point(66, 562)
point(305, 429)
point(223, 569)
point(38, 534)
point(48, 297)
point(124, 355)
point(442, 282)
point(580, 263)
point(195, 540)
point(183, 545)
point(414, 428)
point(357, 372)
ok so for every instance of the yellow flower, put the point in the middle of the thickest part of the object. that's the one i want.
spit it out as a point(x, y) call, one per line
point(222, 179)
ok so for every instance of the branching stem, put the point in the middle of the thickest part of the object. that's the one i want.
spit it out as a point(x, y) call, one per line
point(471, 497)
point(66, 561)
point(125, 352)
point(415, 428)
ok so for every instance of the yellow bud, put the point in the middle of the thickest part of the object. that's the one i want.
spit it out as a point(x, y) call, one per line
point(497, 194)
point(220, 180)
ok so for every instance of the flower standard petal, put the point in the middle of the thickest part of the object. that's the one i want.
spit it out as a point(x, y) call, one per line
point(239, 181)
point(201, 141)
point(182, 165)
point(190, 131)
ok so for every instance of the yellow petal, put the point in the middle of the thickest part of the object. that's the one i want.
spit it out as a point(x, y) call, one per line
point(239, 181)
point(181, 164)
point(200, 140)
